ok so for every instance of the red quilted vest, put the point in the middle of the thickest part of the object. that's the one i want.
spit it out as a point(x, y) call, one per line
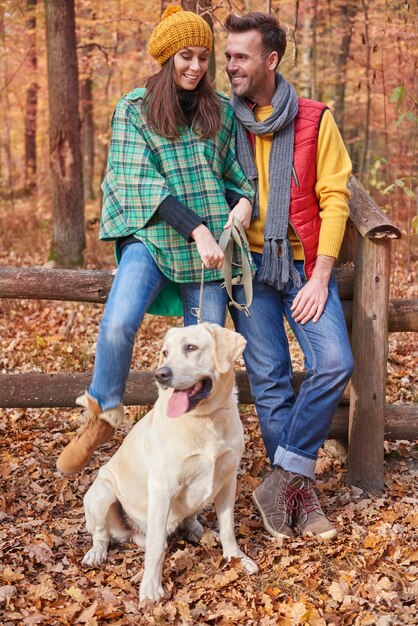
point(304, 206)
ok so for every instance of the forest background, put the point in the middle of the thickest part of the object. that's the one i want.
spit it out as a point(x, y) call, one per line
point(358, 56)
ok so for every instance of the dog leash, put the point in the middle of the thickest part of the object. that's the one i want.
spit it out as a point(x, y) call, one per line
point(197, 311)
point(235, 233)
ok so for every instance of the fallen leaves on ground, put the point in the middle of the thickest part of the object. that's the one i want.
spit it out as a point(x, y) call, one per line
point(367, 576)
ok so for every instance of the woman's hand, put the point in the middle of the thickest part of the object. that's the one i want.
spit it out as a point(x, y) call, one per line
point(242, 210)
point(209, 251)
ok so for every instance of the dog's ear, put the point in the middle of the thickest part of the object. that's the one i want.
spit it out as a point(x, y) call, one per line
point(228, 346)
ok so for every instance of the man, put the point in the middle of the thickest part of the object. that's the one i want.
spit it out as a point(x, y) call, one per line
point(292, 152)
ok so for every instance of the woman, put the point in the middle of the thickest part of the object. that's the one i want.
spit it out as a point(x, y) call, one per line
point(172, 184)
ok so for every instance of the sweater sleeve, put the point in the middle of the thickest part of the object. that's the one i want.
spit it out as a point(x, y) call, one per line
point(333, 171)
point(179, 216)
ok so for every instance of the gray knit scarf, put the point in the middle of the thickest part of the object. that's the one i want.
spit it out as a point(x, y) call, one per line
point(275, 270)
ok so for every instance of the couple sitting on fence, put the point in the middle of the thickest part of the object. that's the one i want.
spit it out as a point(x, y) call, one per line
point(183, 162)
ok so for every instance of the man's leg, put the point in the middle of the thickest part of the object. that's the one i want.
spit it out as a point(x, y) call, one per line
point(329, 364)
point(267, 359)
point(136, 284)
point(293, 441)
point(268, 365)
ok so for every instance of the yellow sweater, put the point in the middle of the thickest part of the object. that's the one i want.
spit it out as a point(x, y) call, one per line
point(333, 168)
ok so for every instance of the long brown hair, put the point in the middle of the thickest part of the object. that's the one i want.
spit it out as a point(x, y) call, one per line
point(163, 111)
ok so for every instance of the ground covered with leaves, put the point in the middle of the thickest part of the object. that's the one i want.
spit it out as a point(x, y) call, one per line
point(367, 576)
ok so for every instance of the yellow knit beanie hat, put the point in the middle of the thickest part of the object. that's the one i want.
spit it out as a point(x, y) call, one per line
point(178, 29)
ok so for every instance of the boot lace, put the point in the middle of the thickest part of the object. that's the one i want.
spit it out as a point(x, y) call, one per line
point(299, 499)
point(306, 501)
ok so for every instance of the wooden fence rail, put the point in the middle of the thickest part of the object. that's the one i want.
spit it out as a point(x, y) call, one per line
point(363, 417)
point(94, 285)
point(60, 390)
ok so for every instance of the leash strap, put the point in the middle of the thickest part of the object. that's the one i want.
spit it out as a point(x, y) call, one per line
point(236, 233)
point(197, 311)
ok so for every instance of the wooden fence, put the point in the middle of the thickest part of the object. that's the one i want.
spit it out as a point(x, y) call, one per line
point(363, 418)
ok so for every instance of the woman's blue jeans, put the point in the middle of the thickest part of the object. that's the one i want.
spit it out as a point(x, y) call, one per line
point(137, 283)
point(294, 428)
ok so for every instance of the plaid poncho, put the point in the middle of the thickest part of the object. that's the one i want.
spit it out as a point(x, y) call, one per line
point(144, 168)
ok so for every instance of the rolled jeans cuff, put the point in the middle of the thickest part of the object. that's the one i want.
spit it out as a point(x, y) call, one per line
point(292, 462)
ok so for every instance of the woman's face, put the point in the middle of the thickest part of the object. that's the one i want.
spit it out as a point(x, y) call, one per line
point(190, 64)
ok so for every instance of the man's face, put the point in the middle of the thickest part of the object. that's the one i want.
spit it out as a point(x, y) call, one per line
point(249, 68)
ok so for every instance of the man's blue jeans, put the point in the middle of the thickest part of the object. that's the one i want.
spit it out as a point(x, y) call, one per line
point(294, 428)
point(137, 283)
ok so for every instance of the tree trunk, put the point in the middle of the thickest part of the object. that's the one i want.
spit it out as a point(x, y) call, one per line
point(367, 43)
point(6, 167)
point(347, 13)
point(305, 69)
point(31, 102)
point(68, 238)
point(86, 109)
point(314, 55)
point(87, 135)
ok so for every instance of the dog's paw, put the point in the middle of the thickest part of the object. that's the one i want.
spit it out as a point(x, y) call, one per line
point(151, 591)
point(249, 565)
point(95, 556)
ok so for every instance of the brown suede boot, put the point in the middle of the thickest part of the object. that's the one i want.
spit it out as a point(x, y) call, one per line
point(97, 429)
point(310, 518)
point(273, 499)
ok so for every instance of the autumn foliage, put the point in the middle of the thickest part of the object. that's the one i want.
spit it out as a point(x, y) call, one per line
point(358, 57)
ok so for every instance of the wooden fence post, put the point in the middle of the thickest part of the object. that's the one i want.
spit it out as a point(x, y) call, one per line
point(370, 347)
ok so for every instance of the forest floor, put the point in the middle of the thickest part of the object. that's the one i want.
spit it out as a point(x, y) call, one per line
point(367, 576)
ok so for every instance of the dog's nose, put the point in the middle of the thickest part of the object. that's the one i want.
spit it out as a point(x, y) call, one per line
point(163, 374)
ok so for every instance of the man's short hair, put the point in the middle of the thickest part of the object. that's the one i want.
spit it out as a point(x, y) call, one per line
point(273, 36)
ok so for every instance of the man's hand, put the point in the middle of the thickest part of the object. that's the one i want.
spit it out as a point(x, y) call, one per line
point(207, 247)
point(242, 210)
point(310, 302)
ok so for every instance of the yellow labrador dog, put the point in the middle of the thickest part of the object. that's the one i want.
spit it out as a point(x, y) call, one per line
point(180, 457)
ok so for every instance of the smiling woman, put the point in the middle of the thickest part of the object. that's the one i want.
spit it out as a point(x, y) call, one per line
point(190, 64)
point(172, 185)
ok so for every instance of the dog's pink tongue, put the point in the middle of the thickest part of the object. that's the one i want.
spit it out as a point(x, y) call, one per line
point(178, 403)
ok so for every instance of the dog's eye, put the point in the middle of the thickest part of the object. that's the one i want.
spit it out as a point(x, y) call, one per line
point(164, 353)
point(190, 348)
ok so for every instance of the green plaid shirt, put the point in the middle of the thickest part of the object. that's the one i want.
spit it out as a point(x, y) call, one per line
point(144, 168)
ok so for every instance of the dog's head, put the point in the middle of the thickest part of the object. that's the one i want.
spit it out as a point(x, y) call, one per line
point(196, 363)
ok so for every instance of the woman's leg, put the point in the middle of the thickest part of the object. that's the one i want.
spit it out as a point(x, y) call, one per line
point(138, 281)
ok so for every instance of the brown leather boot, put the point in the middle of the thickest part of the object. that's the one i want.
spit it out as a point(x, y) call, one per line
point(97, 429)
